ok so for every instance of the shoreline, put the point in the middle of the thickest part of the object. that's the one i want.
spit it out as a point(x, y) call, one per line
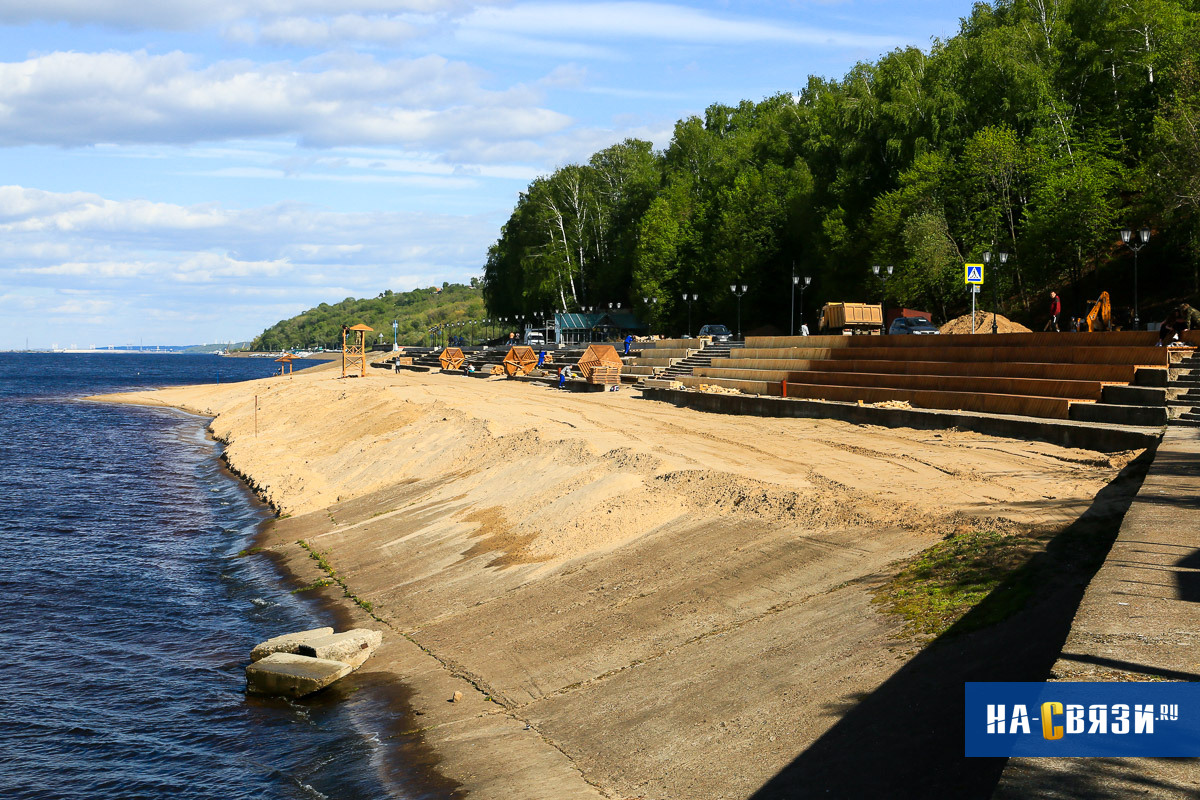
point(408, 766)
point(527, 552)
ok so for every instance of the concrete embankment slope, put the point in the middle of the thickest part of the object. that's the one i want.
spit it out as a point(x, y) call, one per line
point(1138, 621)
point(635, 600)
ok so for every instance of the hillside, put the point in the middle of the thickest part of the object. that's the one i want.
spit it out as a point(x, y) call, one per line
point(1039, 130)
point(415, 311)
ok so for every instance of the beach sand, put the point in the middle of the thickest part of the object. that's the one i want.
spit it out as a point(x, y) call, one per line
point(636, 600)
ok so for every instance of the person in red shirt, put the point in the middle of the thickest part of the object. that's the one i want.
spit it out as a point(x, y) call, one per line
point(1055, 310)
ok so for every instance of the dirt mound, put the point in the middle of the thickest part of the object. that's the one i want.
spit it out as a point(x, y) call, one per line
point(983, 324)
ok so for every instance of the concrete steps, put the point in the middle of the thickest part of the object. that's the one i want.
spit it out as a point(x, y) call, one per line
point(703, 358)
point(1183, 392)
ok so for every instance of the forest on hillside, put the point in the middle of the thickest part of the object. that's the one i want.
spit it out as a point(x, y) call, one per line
point(1040, 130)
point(415, 312)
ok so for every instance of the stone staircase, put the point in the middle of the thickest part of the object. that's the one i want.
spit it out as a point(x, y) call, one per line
point(1156, 397)
point(701, 358)
point(1183, 391)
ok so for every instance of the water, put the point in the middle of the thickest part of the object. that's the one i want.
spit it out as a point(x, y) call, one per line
point(129, 615)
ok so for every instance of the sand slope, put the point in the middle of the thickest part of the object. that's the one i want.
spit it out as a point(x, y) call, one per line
point(639, 600)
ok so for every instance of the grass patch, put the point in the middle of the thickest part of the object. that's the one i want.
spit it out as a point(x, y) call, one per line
point(936, 590)
point(318, 584)
point(249, 551)
point(334, 578)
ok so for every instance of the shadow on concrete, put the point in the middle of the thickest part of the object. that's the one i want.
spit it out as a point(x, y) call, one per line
point(1100, 778)
point(1130, 666)
point(905, 739)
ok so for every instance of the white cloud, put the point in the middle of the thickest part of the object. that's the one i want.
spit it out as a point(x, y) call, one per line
point(157, 261)
point(654, 21)
point(186, 14)
point(343, 28)
point(75, 99)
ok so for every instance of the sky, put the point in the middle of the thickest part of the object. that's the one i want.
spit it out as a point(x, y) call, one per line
point(194, 171)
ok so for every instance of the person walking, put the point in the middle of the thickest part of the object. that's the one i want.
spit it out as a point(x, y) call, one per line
point(1055, 311)
point(628, 341)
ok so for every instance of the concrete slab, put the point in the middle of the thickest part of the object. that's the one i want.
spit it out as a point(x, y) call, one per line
point(351, 647)
point(293, 676)
point(287, 643)
point(1138, 621)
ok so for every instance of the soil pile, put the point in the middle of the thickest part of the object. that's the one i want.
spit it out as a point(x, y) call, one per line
point(983, 324)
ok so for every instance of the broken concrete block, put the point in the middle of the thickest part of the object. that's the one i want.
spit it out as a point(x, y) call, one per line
point(351, 647)
point(292, 675)
point(286, 643)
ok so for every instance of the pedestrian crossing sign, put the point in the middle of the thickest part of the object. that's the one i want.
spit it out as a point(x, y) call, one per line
point(975, 274)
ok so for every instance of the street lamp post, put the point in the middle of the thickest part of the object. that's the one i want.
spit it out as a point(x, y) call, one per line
point(987, 259)
point(694, 297)
point(649, 302)
point(1135, 245)
point(734, 288)
point(883, 273)
point(795, 283)
point(395, 335)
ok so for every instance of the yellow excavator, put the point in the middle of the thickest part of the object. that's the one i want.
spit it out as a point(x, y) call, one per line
point(1100, 317)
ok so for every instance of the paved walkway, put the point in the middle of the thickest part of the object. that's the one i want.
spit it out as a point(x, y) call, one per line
point(1138, 621)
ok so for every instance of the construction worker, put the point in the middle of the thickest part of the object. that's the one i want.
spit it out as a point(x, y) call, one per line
point(1182, 319)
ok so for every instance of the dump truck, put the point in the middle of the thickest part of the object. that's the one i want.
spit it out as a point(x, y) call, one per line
point(851, 318)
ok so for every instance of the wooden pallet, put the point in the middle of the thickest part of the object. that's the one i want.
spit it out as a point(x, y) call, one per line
point(605, 375)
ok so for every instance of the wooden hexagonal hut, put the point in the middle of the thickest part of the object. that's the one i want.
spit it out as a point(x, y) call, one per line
point(600, 363)
point(520, 360)
point(452, 358)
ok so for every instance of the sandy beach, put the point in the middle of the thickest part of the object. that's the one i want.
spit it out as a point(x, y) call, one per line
point(636, 600)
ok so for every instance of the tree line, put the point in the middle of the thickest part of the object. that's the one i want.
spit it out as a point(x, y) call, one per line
point(1039, 130)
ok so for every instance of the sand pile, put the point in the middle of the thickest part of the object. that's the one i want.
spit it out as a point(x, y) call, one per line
point(983, 324)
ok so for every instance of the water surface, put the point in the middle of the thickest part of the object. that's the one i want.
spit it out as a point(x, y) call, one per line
point(130, 616)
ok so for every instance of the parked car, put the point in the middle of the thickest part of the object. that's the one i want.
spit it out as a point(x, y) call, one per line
point(916, 325)
point(535, 339)
point(719, 333)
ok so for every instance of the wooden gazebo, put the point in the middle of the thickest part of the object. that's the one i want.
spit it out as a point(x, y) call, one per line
point(452, 358)
point(286, 360)
point(521, 360)
point(354, 350)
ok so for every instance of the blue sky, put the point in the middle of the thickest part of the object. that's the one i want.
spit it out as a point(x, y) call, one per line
point(194, 171)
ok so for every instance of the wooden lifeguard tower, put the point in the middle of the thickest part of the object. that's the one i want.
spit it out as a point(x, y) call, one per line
point(354, 350)
point(287, 360)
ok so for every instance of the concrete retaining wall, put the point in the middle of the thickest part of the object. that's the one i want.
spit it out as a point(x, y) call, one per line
point(1061, 432)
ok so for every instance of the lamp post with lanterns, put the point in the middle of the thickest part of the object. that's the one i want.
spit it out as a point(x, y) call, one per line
point(987, 260)
point(795, 283)
point(734, 288)
point(883, 273)
point(689, 299)
point(649, 302)
point(1143, 238)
